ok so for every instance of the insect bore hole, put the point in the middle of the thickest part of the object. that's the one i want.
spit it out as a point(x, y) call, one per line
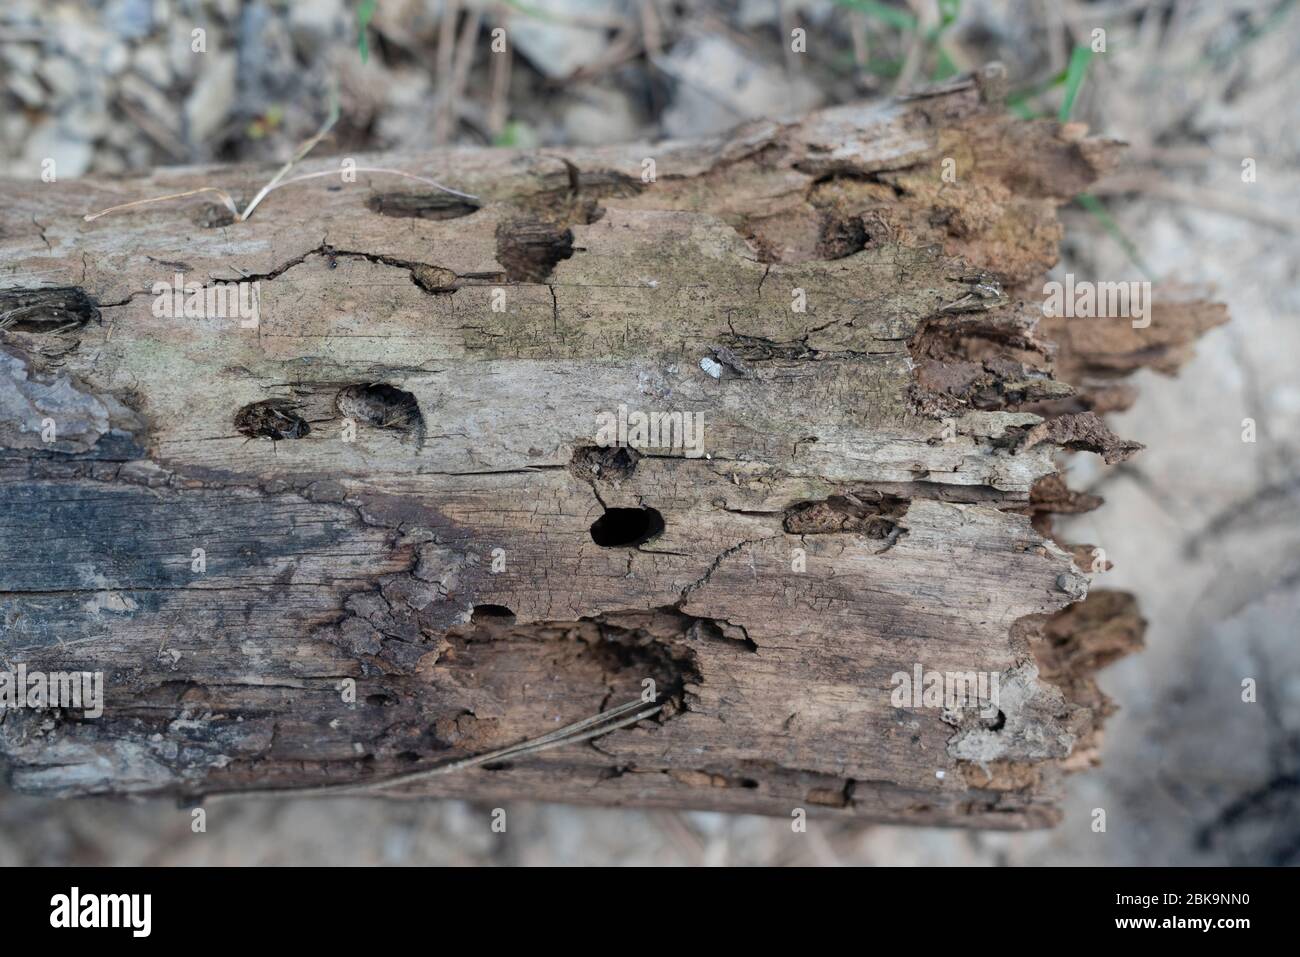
point(627, 527)
point(271, 419)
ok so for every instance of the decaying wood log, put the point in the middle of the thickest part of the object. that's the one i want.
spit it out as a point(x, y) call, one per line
point(392, 478)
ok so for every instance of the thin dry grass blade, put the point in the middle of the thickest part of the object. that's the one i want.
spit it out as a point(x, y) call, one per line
point(583, 730)
point(225, 197)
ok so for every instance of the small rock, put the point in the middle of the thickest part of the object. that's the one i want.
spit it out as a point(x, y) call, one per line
point(313, 25)
point(754, 14)
point(557, 49)
point(20, 57)
point(214, 94)
point(114, 58)
point(131, 19)
point(26, 89)
point(148, 98)
point(185, 62)
point(71, 154)
point(719, 85)
point(599, 115)
point(150, 62)
point(86, 119)
point(61, 76)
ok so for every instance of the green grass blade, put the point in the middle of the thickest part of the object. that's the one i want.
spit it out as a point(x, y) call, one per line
point(891, 16)
point(364, 13)
point(1074, 75)
point(1094, 206)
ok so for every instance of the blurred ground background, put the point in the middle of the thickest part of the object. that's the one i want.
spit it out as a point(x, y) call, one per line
point(1204, 527)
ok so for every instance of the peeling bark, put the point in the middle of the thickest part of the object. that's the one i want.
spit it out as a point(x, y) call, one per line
point(875, 492)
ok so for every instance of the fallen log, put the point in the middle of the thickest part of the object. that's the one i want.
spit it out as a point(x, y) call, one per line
point(383, 485)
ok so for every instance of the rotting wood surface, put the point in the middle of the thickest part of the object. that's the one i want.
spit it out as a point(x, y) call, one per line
point(875, 490)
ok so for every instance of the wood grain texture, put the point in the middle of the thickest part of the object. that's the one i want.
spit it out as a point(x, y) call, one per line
point(863, 503)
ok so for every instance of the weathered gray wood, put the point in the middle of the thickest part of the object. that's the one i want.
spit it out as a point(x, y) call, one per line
point(883, 438)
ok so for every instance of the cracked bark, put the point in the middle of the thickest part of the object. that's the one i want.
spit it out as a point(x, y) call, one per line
point(880, 476)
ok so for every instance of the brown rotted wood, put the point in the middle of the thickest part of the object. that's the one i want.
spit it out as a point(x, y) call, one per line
point(396, 483)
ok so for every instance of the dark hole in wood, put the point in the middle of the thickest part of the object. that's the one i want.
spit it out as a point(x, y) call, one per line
point(381, 405)
point(609, 463)
point(625, 527)
point(271, 419)
point(498, 613)
point(214, 216)
point(841, 236)
point(876, 515)
point(421, 205)
point(46, 310)
point(529, 249)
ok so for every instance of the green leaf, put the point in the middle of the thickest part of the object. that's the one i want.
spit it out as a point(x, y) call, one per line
point(511, 135)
